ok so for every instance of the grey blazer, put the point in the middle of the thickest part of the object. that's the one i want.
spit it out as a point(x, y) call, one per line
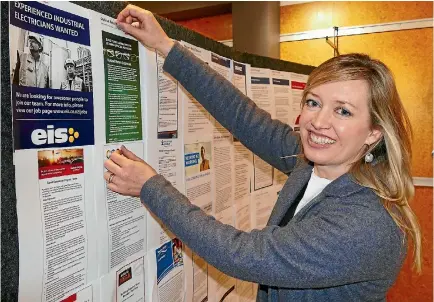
point(342, 246)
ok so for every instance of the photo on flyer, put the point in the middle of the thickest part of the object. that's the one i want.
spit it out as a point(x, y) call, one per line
point(51, 77)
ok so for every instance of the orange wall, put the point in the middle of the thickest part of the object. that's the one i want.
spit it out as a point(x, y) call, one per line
point(216, 27)
point(410, 287)
point(318, 15)
point(409, 54)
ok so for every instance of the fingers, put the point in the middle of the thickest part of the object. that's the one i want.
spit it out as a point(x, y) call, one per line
point(130, 155)
point(133, 30)
point(112, 167)
point(107, 175)
point(132, 11)
point(119, 159)
point(113, 187)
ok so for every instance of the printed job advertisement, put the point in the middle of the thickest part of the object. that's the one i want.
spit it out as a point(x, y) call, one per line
point(224, 178)
point(279, 177)
point(221, 286)
point(51, 75)
point(245, 291)
point(127, 282)
point(122, 88)
point(243, 166)
point(262, 204)
point(243, 214)
point(262, 92)
point(167, 126)
point(262, 173)
point(166, 157)
point(199, 165)
point(197, 121)
point(201, 53)
point(61, 183)
point(223, 66)
point(200, 279)
point(166, 272)
point(121, 220)
point(282, 95)
point(241, 77)
point(298, 83)
point(56, 225)
point(87, 294)
point(130, 282)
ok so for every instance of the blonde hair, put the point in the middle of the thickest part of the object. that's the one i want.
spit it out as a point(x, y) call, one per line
point(389, 176)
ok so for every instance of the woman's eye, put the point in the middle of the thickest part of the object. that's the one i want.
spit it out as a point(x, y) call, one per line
point(312, 103)
point(344, 112)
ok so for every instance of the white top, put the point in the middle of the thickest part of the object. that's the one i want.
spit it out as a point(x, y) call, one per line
point(315, 186)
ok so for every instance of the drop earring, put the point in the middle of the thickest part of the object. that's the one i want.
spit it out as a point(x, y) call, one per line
point(368, 157)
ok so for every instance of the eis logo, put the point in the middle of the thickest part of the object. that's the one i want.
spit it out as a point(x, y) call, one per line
point(53, 136)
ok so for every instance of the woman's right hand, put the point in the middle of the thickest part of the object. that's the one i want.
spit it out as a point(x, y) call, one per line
point(142, 25)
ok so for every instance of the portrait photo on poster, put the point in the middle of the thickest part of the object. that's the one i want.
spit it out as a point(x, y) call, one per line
point(198, 158)
point(47, 62)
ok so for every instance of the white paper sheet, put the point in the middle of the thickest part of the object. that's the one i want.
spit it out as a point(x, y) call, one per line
point(121, 219)
point(262, 92)
point(166, 277)
point(298, 83)
point(56, 224)
point(263, 202)
point(199, 166)
point(126, 283)
point(281, 83)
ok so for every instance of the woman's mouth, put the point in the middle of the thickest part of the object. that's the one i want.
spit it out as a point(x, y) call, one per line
point(320, 140)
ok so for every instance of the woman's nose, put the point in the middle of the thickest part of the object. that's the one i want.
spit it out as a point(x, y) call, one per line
point(321, 119)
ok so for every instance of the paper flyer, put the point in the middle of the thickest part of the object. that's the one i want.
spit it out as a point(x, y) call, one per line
point(55, 223)
point(197, 121)
point(121, 219)
point(51, 75)
point(245, 291)
point(130, 282)
point(127, 283)
point(243, 166)
point(298, 83)
point(221, 286)
point(167, 125)
point(262, 173)
point(165, 156)
point(262, 202)
point(282, 96)
point(166, 272)
point(241, 77)
point(200, 279)
point(88, 294)
point(262, 92)
point(122, 88)
point(198, 163)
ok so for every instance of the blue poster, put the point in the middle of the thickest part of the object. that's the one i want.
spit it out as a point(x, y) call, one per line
point(169, 256)
point(51, 77)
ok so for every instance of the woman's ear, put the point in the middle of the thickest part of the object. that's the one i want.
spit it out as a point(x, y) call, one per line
point(375, 135)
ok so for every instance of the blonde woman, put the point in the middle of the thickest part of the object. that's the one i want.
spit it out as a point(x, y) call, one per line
point(339, 229)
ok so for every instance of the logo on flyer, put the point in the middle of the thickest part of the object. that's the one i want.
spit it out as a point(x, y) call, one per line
point(39, 134)
point(50, 135)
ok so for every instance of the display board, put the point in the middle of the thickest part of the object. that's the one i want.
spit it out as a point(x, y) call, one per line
point(74, 89)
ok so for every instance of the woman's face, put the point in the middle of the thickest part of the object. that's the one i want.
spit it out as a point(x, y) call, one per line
point(335, 124)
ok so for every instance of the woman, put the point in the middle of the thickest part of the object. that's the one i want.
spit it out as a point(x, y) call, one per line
point(349, 192)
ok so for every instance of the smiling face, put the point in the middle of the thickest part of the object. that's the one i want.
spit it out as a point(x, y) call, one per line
point(335, 125)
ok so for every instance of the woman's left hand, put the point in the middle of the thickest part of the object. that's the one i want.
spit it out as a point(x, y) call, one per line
point(127, 173)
